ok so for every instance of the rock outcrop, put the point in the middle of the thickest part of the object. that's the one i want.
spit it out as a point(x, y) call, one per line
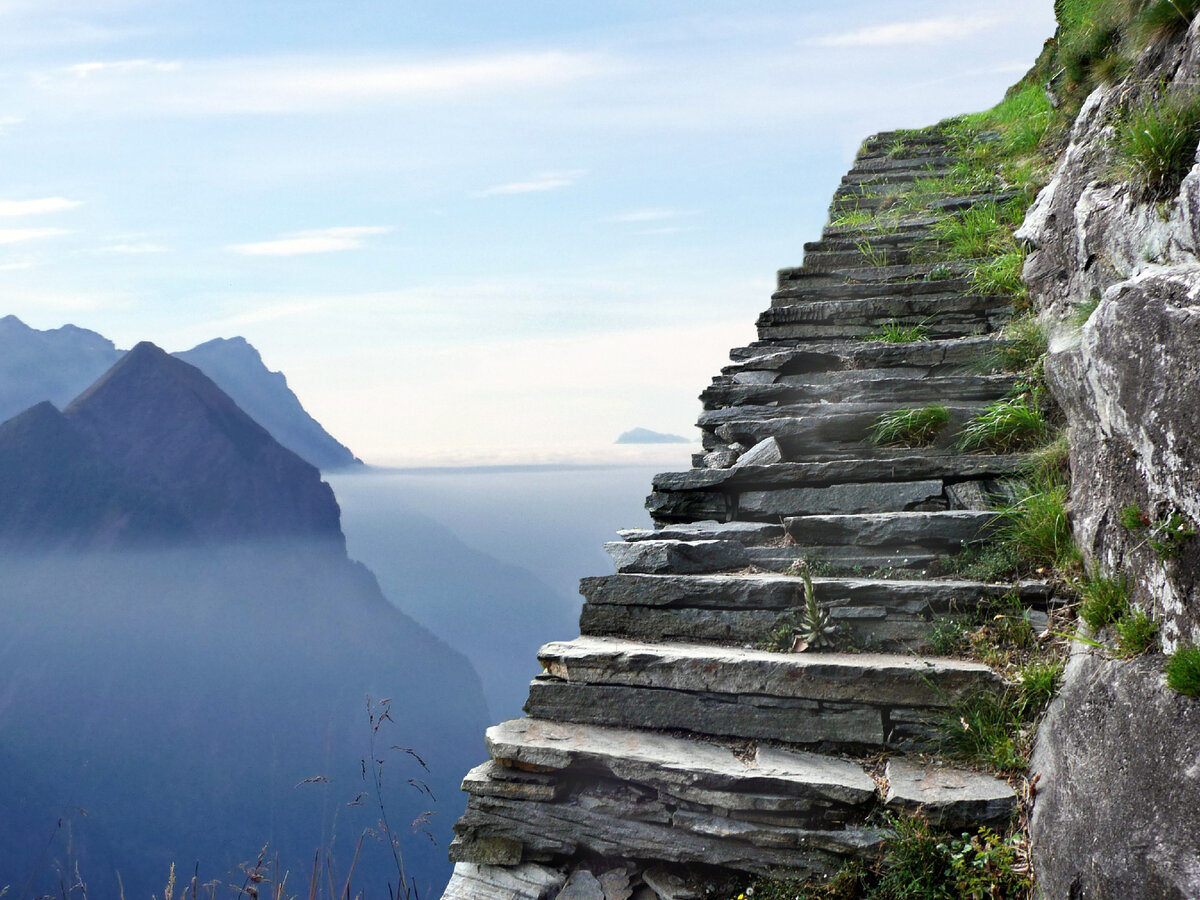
point(661, 749)
point(1117, 751)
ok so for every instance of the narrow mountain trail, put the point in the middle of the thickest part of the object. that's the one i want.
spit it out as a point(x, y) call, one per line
point(664, 744)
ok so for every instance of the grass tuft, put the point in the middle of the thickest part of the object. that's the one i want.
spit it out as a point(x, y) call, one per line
point(896, 333)
point(1156, 145)
point(1037, 529)
point(1001, 275)
point(1105, 599)
point(1135, 633)
point(1183, 671)
point(1005, 426)
point(918, 427)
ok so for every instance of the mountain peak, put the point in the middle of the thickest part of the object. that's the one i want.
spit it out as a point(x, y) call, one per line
point(162, 420)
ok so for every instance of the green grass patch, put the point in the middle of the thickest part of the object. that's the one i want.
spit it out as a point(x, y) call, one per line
point(985, 729)
point(1103, 600)
point(1165, 18)
point(1037, 529)
point(896, 333)
point(1135, 633)
point(1001, 275)
point(990, 563)
point(1156, 145)
point(1006, 426)
point(918, 427)
point(1183, 671)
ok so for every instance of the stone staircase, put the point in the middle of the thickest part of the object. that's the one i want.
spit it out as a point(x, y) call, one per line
point(662, 749)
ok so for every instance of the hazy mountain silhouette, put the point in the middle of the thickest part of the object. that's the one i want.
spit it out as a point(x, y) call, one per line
point(57, 364)
point(238, 369)
point(193, 672)
point(646, 436)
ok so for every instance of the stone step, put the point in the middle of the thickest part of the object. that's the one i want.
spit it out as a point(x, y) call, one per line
point(938, 531)
point(867, 254)
point(827, 358)
point(770, 506)
point(786, 475)
point(621, 821)
point(661, 557)
point(915, 224)
point(904, 171)
point(900, 388)
point(823, 287)
point(815, 790)
point(744, 609)
point(527, 881)
point(800, 278)
point(815, 430)
point(942, 202)
point(886, 240)
point(811, 699)
point(963, 315)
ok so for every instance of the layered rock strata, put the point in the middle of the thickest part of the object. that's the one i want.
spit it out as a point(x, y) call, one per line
point(661, 748)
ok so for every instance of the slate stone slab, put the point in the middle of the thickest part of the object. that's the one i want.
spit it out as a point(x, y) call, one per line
point(951, 798)
point(681, 557)
point(529, 881)
point(839, 499)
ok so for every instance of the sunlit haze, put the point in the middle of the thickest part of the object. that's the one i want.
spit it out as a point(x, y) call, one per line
point(467, 232)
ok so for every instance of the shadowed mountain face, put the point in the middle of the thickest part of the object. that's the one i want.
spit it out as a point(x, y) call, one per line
point(237, 368)
point(186, 653)
point(57, 364)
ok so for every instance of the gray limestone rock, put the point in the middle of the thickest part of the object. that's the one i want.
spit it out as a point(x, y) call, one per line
point(840, 499)
point(742, 532)
point(1117, 769)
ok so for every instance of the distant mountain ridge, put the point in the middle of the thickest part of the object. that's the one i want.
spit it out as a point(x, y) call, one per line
point(646, 436)
point(175, 583)
point(58, 364)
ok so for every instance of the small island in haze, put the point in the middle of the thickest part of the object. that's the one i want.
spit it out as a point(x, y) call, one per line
point(646, 436)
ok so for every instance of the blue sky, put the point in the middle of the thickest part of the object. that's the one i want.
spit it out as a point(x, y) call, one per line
point(466, 231)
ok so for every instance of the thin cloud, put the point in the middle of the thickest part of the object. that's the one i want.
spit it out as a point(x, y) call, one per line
point(544, 181)
point(322, 240)
point(650, 214)
point(20, 235)
point(133, 249)
point(899, 34)
point(297, 84)
point(36, 207)
point(15, 266)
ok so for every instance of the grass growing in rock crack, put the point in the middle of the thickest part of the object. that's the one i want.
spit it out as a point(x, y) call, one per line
point(896, 333)
point(1156, 144)
point(917, 427)
point(1005, 426)
point(1103, 600)
point(1135, 633)
point(1036, 527)
point(1183, 671)
point(1001, 275)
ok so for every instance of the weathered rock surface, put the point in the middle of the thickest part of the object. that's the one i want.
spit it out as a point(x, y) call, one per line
point(1118, 768)
point(952, 798)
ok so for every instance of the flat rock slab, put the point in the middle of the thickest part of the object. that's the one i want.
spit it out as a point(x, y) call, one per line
point(711, 530)
point(582, 885)
point(935, 530)
point(528, 881)
point(779, 592)
point(491, 780)
point(652, 557)
point(891, 496)
point(844, 471)
point(872, 678)
point(951, 798)
point(689, 769)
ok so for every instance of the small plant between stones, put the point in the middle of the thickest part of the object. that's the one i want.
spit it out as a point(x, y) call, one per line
point(805, 627)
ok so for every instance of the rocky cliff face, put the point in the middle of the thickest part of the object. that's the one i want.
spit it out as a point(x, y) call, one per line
point(1115, 816)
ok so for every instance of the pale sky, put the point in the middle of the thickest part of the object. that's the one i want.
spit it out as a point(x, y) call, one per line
point(473, 231)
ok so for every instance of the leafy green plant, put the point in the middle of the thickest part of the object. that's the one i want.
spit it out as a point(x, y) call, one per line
point(1183, 671)
point(1135, 633)
point(940, 272)
point(986, 866)
point(917, 427)
point(1104, 599)
point(805, 626)
point(1156, 145)
point(1167, 538)
point(1004, 427)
